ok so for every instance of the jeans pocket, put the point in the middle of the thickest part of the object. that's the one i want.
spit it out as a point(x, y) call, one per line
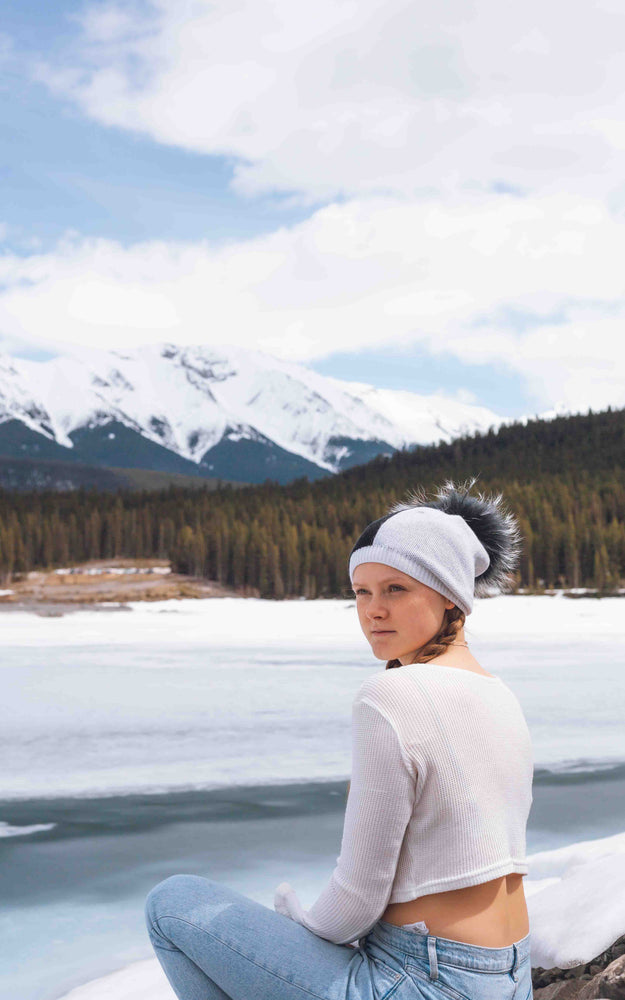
point(384, 979)
point(458, 983)
point(434, 989)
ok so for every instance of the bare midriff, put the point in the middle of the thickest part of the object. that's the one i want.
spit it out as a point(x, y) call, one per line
point(490, 915)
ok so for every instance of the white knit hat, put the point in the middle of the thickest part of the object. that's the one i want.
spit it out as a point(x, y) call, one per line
point(437, 543)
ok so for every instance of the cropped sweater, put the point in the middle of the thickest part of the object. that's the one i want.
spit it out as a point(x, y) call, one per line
point(441, 789)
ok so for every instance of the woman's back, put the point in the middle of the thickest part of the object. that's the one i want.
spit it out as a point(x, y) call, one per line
point(440, 792)
point(480, 788)
point(465, 738)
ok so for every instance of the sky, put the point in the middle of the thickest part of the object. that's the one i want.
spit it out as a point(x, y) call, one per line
point(420, 196)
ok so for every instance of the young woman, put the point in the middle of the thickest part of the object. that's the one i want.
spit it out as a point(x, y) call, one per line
point(426, 900)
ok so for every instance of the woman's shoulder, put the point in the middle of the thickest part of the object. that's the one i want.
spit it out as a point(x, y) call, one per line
point(384, 684)
point(411, 681)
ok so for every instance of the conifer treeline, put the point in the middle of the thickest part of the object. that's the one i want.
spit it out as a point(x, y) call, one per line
point(564, 479)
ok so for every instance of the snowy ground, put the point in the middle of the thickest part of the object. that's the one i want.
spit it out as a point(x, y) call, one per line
point(234, 620)
point(567, 881)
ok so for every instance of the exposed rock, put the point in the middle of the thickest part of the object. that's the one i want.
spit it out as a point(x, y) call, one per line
point(603, 978)
point(609, 983)
point(566, 989)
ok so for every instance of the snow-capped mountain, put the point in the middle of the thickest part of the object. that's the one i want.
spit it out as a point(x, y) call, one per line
point(218, 412)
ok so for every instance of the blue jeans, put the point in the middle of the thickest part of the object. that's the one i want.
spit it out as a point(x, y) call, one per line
point(216, 944)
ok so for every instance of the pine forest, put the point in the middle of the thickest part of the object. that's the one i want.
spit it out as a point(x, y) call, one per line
point(563, 478)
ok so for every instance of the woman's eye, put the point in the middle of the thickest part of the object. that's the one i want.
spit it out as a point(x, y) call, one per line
point(396, 585)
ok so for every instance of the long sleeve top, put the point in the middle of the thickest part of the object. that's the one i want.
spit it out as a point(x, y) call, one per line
point(441, 789)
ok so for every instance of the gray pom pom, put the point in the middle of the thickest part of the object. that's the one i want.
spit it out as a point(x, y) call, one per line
point(497, 529)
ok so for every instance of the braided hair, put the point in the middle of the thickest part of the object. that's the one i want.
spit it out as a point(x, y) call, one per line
point(453, 621)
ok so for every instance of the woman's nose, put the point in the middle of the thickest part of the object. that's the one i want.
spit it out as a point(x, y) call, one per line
point(376, 609)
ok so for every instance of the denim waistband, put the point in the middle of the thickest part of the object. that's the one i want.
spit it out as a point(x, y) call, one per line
point(448, 951)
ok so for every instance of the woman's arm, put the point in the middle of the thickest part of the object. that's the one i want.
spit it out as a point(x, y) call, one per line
point(380, 802)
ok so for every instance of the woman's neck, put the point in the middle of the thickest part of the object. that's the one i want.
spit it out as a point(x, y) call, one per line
point(456, 654)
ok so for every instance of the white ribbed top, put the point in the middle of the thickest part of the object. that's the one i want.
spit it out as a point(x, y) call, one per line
point(441, 789)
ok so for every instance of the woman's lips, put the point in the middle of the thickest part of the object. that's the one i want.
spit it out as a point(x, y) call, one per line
point(384, 631)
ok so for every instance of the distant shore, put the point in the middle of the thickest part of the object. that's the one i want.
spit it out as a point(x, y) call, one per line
point(110, 584)
point(105, 584)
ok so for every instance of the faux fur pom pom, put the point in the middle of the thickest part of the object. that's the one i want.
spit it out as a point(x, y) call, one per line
point(497, 529)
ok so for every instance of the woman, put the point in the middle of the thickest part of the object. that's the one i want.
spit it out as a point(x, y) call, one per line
point(426, 900)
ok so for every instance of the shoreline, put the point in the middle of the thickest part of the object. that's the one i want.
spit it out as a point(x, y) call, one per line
point(139, 811)
point(578, 771)
point(113, 584)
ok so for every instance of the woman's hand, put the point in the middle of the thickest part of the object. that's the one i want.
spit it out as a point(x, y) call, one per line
point(286, 902)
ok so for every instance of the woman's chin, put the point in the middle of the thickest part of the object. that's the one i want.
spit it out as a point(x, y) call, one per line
point(386, 647)
point(382, 653)
point(391, 654)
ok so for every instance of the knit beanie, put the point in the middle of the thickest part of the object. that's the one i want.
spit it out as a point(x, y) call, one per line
point(459, 545)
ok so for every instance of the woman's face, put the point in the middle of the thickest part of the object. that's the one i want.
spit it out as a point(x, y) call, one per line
point(397, 613)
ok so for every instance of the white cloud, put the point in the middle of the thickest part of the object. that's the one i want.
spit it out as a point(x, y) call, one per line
point(533, 284)
point(403, 116)
point(349, 97)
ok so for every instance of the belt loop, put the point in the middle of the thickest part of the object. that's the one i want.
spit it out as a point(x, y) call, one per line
point(433, 960)
point(515, 964)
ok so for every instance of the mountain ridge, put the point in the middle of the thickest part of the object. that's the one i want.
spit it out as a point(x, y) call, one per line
point(214, 411)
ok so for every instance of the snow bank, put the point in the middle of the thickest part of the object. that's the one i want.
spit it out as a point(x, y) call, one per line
point(139, 981)
point(236, 621)
point(576, 902)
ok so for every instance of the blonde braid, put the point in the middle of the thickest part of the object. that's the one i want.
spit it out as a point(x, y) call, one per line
point(453, 621)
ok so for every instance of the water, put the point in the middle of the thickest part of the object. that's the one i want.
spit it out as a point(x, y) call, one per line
point(214, 738)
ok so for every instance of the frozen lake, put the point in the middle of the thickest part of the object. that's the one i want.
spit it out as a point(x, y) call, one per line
point(105, 712)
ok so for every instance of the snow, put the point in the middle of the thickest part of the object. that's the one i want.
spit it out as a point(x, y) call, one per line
point(185, 398)
point(6, 830)
point(560, 883)
point(139, 981)
point(214, 620)
point(323, 622)
point(99, 570)
point(584, 880)
point(425, 419)
point(537, 617)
